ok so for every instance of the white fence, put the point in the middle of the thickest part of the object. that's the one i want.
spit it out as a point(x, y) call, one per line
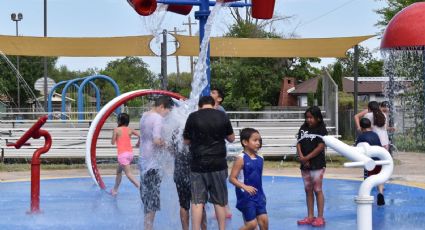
point(69, 136)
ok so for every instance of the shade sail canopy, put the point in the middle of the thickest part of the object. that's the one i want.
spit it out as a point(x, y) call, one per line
point(256, 47)
point(189, 46)
point(76, 47)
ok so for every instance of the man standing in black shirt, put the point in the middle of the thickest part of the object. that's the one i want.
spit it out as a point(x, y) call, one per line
point(206, 131)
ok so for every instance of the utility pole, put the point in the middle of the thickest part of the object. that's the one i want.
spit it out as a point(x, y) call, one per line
point(16, 18)
point(189, 23)
point(356, 76)
point(176, 44)
point(164, 81)
point(45, 58)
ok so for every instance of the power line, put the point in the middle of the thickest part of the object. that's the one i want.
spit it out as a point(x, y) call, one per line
point(327, 13)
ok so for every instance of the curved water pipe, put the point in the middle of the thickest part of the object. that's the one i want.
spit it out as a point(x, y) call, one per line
point(361, 157)
point(80, 102)
point(50, 97)
point(64, 91)
point(100, 119)
point(35, 132)
point(63, 103)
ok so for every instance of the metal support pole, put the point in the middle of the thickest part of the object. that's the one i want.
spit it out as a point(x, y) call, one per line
point(16, 18)
point(17, 74)
point(356, 75)
point(177, 57)
point(45, 58)
point(190, 34)
point(164, 82)
point(391, 98)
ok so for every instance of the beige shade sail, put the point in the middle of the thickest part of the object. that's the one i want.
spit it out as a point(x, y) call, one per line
point(188, 46)
point(256, 47)
point(76, 47)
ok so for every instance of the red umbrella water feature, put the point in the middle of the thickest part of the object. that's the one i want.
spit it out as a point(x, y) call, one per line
point(405, 33)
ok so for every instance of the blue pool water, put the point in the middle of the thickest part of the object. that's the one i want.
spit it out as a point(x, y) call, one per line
point(77, 203)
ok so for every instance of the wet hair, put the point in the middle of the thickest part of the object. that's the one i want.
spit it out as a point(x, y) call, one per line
point(365, 123)
point(316, 113)
point(378, 115)
point(123, 119)
point(220, 94)
point(206, 100)
point(246, 133)
point(165, 101)
point(385, 104)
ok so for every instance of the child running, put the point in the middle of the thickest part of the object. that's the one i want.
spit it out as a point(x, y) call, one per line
point(310, 148)
point(121, 136)
point(372, 139)
point(246, 175)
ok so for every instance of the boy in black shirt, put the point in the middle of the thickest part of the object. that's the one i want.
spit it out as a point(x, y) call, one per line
point(371, 138)
point(206, 131)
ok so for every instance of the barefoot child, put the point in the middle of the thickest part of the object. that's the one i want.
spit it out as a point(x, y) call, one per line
point(246, 175)
point(311, 151)
point(121, 136)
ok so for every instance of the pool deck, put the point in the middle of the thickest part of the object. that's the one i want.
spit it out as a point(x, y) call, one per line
point(409, 170)
point(96, 209)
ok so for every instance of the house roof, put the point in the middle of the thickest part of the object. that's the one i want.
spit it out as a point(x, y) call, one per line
point(308, 86)
point(363, 86)
point(366, 85)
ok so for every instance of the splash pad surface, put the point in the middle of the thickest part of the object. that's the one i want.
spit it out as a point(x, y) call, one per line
point(77, 203)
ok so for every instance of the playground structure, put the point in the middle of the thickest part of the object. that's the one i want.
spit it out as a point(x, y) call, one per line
point(35, 132)
point(80, 97)
point(261, 9)
point(403, 38)
point(364, 198)
point(99, 121)
point(361, 155)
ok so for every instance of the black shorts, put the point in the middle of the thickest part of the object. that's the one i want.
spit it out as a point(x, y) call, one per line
point(374, 171)
point(209, 186)
point(183, 190)
point(149, 190)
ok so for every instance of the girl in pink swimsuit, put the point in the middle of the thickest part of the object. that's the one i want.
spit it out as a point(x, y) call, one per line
point(121, 136)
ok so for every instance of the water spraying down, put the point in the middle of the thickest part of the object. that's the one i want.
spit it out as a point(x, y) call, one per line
point(22, 81)
point(177, 119)
point(153, 22)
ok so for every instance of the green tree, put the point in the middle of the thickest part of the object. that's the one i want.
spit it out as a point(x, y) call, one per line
point(180, 84)
point(64, 74)
point(255, 82)
point(337, 75)
point(392, 8)
point(130, 73)
point(31, 69)
point(368, 65)
point(319, 92)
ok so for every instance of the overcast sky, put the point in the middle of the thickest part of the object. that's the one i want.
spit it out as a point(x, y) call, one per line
point(108, 18)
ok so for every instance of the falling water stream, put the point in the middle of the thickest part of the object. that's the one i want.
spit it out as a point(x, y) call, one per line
point(22, 81)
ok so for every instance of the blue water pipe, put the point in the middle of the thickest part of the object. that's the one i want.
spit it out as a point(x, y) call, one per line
point(63, 102)
point(202, 15)
point(80, 105)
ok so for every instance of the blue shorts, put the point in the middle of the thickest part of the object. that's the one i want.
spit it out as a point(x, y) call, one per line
point(251, 212)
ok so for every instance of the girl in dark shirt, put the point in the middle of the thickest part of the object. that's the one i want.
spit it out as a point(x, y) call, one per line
point(310, 148)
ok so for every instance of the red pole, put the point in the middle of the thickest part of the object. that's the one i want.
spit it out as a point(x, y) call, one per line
point(35, 132)
point(35, 169)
